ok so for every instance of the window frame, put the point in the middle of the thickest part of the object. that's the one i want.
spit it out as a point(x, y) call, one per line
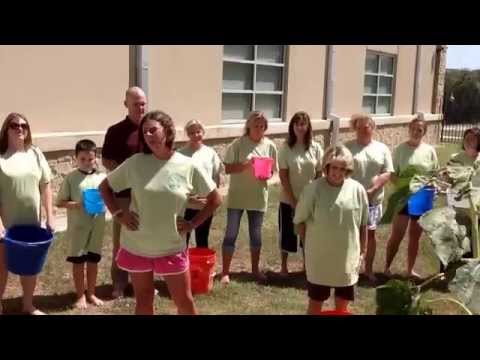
point(282, 93)
point(378, 74)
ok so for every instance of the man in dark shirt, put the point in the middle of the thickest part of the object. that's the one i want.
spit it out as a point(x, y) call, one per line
point(121, 142)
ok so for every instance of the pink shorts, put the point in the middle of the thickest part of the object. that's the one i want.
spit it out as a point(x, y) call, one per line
point(161, 266)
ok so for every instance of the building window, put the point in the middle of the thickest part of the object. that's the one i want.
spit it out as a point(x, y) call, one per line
point(378, 84)
point(253, 79)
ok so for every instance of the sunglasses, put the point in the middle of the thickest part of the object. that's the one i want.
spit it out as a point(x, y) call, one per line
point(16, 126)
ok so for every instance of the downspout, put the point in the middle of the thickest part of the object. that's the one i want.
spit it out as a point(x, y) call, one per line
point(139, 67)
point(329, 96)
point(330, 82)
point(416, 83)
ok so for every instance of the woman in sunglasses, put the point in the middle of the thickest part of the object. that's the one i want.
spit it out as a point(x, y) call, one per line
point(153, 242)
point(24, 183)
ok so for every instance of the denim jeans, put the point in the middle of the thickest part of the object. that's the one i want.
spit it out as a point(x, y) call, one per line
point(255, 221)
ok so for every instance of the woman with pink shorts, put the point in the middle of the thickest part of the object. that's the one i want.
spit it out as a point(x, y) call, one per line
point(152, 242)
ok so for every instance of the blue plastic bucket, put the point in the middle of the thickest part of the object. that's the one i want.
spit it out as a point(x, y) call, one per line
point(26, 248)
point(93, 202)
point(421, 201)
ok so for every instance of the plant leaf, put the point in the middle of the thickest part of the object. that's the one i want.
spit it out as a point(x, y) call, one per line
point(460, 177)
point(396, 202)
point(418, 182)
point(394, 298)
point(466, 284)
point(449, 239)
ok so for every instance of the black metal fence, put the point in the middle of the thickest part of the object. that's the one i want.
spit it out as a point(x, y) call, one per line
point(456, 119)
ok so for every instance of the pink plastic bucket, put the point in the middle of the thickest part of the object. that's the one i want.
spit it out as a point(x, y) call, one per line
point(262, 167)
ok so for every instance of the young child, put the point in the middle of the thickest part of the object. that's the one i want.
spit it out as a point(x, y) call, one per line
point(84, 231)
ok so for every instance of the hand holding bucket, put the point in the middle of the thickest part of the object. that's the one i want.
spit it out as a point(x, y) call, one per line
point(262, 167)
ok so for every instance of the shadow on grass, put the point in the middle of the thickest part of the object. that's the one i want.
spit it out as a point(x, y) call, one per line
point(297, 280)
point(294, 280)
point(53, 302)
point(63, 302)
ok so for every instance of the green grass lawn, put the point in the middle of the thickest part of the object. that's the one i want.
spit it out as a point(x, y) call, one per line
point(243, 296)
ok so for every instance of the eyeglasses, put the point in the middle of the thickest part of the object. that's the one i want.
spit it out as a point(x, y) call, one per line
point(150, 131)
point(16, 126)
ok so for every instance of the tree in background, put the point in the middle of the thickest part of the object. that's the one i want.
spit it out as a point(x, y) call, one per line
point(462, 96)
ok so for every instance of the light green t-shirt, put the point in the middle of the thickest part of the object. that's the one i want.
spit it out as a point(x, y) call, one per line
point(245, 190)
point(207, 159)
point(84, 231)
point(333, 216)
point(419, 160)
point(160, 190)
point(21, 174)
point(462, 159)
point(369, 161)
point(302, 166)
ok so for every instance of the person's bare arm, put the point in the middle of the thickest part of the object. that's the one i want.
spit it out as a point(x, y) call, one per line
point(126, 217)
point(219, 180)
point(2, 227)
point(285, 181)
point(363, 245)
point(379, 181)
point(237, 167)
point(109, 164)
point(69, 204)
point(302, 228)
point(47, 200)
point(202, 200)
point(213, 201)
point(363, 239)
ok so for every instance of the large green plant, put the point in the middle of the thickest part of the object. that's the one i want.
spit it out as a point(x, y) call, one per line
point(450, 242)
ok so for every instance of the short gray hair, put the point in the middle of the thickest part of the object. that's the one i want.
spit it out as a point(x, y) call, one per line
point(338, 153)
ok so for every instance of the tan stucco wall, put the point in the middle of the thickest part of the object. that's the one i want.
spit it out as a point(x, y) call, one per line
point(64, 88)
point(80, 89)
point(306, 80)
point(349, 69)
point(427, 74)
point(404, 79)
point(389, 49)
point(186, 81)
point(349, 77)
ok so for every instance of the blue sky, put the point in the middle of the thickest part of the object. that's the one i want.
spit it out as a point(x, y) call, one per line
point(463, 56)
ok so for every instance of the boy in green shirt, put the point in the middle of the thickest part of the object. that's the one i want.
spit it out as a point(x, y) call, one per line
point(85, 231)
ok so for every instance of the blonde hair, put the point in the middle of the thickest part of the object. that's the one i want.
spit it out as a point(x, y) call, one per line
point(338, 153)
point(355, 118)
point(193, 122)
point(254, 115)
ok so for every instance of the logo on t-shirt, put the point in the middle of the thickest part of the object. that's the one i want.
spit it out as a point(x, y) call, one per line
point(175, 182)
